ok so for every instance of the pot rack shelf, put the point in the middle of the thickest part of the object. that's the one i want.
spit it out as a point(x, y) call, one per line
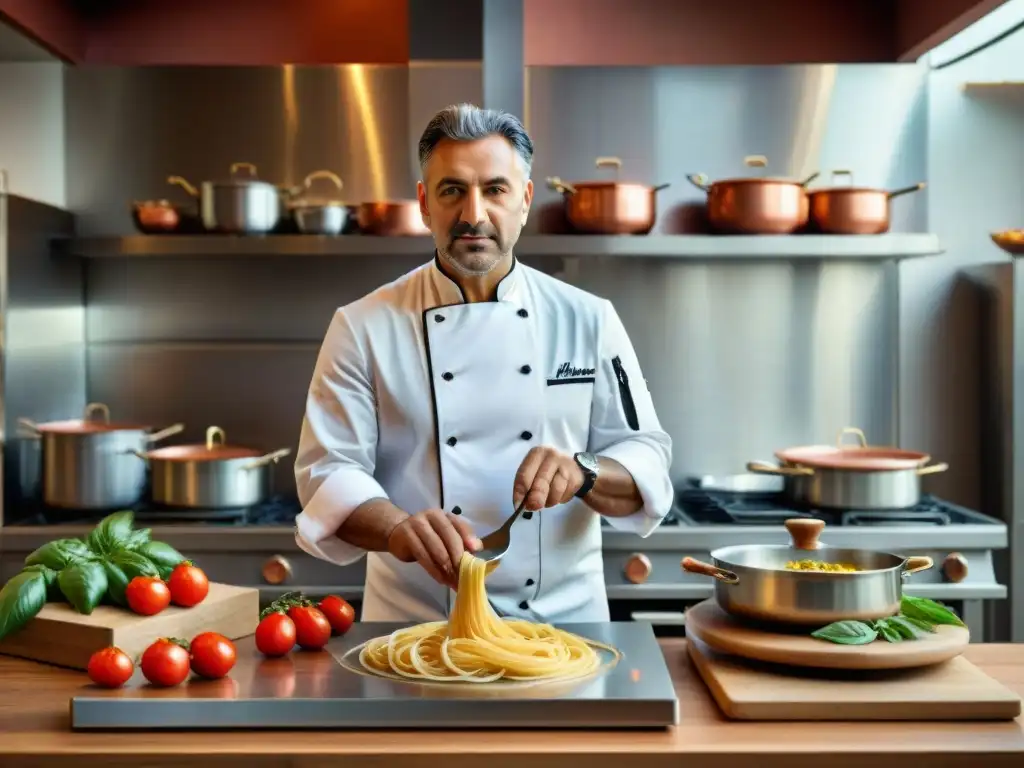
point(743, 247)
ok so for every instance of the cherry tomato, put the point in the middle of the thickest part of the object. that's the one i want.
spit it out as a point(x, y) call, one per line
point(338, 612)
point(312, 629)
point(188, 584)
point(110, 667)
point(147, 595)
point(165, 663)
point(275, 635)
point(213, 655)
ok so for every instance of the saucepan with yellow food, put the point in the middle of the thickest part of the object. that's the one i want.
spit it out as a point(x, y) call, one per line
point(806, 583)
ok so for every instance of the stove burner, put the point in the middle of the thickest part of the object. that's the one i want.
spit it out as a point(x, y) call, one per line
point(277, 510)
point(894, 517)
point(700, 506)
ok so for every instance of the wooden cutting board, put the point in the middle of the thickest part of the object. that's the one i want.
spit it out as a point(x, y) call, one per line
point(60, 635)
point(751, 690)
point(726, 634)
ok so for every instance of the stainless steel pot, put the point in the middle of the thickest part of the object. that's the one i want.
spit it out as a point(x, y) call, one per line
point(240, 205)
point(212, 475)
point(90, 463)
point(859, 477)
point(319, 215)
point(752, 582)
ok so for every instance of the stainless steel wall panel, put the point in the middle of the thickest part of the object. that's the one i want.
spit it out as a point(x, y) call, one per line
point(255, 393)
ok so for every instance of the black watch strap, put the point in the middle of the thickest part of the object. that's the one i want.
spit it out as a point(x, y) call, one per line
point(587, 462)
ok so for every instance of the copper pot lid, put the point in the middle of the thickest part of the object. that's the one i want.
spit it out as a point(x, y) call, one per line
point(853, 457)
point(569, 188)
point(96, 419)
point(851, 189)
point(751, 161)
point(215, 449)
point(317, 202)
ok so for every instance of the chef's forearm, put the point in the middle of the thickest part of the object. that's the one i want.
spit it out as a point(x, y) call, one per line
point(615, 493)
point(370, 525)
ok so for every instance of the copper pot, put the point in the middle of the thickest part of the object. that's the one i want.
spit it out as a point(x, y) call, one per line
point(160, 217)
point(401, 218)
point(853, 210)
point(609, 207)
point(757, 205)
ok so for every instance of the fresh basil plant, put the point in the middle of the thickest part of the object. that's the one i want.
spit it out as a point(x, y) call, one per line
point(85, 572)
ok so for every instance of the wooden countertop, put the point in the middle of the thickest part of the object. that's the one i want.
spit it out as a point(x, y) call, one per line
point(35, 730)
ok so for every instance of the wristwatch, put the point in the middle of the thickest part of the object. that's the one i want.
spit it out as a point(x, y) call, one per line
point(587, 462)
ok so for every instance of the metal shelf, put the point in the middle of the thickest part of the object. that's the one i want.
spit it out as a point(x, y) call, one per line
point(753, 247)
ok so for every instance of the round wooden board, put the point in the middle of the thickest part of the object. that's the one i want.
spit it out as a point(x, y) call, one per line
point(727, 634)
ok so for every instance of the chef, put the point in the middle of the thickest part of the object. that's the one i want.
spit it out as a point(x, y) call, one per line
point(442, 400)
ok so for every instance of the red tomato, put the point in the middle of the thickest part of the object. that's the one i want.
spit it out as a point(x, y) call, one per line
point(188, 584)
point(338, 612)
point(213, 655)
point(312, 629)
point(275, 635)
point(165, 663)
point(147, 595)
point(110, 667)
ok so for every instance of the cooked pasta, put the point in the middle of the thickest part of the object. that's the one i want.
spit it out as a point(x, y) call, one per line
point(477, 646)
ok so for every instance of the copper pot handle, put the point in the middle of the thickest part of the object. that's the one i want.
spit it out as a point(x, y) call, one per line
point(934, 469)
point(101, 408)
point(858, 433)
point(249, 169)
point(163, 434)
point(608, 162)
point(179, 181)
point(328, 175)
point(215, 438)
point(755, 161)
point(907, 190)
point(29, 426)
point(699, 180)
point(763, 468)
point(270, 458)
point(915, 564)
point(693, 565)
point(660, 187)
point(560, 186)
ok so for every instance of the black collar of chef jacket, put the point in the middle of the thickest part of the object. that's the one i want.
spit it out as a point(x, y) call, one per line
point(504, 285)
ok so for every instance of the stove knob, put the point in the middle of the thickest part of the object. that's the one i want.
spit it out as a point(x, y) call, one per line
point(638, 568)
point(277, 570)
point(955, 567)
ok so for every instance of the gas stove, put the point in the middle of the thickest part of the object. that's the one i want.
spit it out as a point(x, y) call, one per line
point(275, 511)
point(646, 572)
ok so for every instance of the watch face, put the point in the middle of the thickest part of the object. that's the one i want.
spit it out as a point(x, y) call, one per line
point(588, 461)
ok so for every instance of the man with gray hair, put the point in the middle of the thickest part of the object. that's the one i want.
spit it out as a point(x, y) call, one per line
point(473, 384)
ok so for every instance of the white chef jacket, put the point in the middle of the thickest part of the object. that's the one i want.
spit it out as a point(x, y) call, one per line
point(432, 402)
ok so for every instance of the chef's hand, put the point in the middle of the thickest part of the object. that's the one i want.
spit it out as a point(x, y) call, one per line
point(547, 477)
point(436, 540)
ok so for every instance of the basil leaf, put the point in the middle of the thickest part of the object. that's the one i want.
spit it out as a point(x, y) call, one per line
point(928, 610)
point(137, 538)
point(56, 555)
point(49, 575)
point(924, 626)
point(84, 585)
point(117, 583)
point(906, 628)
point(847, 633)
point(21, 599)
point(886, 629)
point(121, 567)
point(111, 533)
point(164, 557)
